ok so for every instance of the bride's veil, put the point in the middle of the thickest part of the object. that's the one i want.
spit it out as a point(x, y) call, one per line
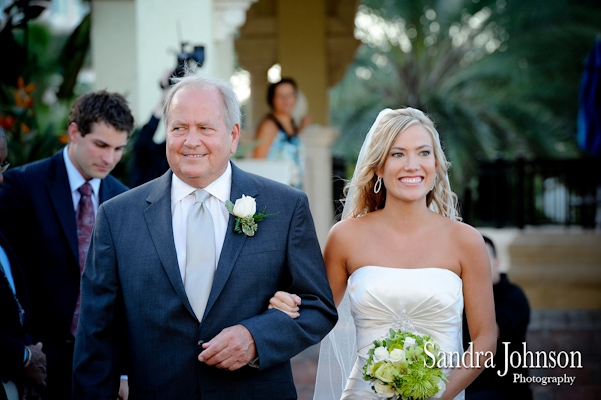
point(338, 350)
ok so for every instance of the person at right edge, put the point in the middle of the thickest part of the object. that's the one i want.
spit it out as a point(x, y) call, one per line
point(512, 314)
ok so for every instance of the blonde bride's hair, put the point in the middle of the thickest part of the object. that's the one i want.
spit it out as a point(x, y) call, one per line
point(441, 199)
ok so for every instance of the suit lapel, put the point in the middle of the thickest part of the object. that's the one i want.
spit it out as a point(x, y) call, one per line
point(106, 191)
point(233, 243)
point(62, 201)
point(160, 225)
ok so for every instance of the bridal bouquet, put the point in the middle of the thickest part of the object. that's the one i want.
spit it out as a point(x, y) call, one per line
point(405, 365)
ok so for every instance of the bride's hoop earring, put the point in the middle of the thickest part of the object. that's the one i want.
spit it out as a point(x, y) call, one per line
point(378, 185)
point(435, 181)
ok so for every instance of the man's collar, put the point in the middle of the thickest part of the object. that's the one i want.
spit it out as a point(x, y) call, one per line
point(220, 188)
point(75, 177)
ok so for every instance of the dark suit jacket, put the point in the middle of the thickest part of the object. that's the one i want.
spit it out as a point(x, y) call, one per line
point(132, 287)
point(38, 219)
point(13, 337)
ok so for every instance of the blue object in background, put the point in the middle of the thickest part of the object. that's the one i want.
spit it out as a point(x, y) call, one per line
point(589, 112)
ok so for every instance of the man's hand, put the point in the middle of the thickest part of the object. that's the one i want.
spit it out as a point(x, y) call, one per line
point(31, 392)
point(123, 389)
point(36, 370)
point(231, 349)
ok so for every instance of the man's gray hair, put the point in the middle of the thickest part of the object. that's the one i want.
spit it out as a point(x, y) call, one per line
point(231, 106)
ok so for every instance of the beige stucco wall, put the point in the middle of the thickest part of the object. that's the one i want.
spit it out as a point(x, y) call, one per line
point(135, 41)
point(302, 51)
point(113, 47)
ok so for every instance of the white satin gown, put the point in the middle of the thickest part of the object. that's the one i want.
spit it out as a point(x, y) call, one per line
point(425, 301)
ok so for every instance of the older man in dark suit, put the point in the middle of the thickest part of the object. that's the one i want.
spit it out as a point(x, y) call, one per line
point(169, 273)
point(48, 212)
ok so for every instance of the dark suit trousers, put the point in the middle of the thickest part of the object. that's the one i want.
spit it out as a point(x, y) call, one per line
point(59, 359)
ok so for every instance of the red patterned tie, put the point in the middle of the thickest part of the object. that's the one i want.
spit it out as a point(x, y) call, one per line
point(85, 224)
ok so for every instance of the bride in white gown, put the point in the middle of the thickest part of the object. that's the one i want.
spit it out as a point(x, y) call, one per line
point(407, 261)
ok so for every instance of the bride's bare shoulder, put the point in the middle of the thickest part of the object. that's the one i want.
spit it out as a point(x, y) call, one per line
point(461, 234)
point(350, 228)
point(466, 236)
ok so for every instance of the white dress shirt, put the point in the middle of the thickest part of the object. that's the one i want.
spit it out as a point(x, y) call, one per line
point(76, 180)
point(182, 198)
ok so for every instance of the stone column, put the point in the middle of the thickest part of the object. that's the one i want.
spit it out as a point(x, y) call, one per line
point(228, 16)
point(317, 184)
point(135, 41)
point(302, 51)
point(113, 48)
point(161, 26)
point(313, 42)
point(257, 107)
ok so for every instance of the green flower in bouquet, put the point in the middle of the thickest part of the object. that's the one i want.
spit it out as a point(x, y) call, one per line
point(413, 351)
point(399, 367)
point(385, 372)
point(421, 382)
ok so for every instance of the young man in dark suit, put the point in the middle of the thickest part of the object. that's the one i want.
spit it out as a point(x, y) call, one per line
point(48, 212)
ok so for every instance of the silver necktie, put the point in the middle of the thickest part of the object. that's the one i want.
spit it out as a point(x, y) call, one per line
point(200, 254)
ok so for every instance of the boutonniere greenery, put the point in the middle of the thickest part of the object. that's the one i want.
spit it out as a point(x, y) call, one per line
point(246, 217)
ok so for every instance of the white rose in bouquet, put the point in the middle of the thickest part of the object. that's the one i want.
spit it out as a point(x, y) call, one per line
point(442, 386)
point(409, 342)
point(380, 354)
point(383, 390)
point(396, 355)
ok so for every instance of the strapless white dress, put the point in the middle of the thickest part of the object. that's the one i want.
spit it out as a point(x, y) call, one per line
point(425, 301)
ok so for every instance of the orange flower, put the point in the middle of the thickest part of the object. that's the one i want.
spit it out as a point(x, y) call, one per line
point(22, 97)
point(25, 129)
point(7, 121)
point(64, 139)
point(27, 89)
point(19, 99)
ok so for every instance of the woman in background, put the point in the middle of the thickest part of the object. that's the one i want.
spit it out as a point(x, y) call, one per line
point(277, 134)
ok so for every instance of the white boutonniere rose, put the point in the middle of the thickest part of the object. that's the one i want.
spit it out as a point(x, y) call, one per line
point(244, 207)
point(246, 217)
